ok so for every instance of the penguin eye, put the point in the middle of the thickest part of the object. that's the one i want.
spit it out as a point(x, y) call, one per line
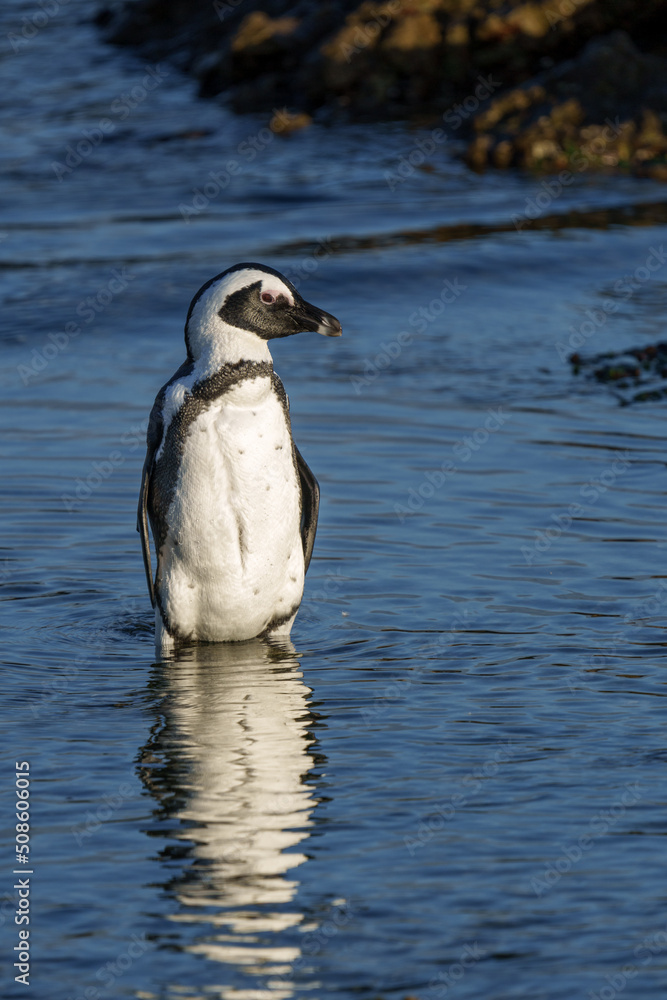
point(268, 297)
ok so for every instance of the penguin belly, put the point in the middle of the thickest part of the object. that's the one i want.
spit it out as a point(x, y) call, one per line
point(232, 565)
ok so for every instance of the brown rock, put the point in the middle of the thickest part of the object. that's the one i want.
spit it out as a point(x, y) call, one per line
point(580, 83)
point(261, 34)
point(414, 31)
point(412, 41)
point(586, 114)
point(284, 122)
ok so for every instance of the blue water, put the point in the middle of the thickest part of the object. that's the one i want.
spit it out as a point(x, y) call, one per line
point(451, 782)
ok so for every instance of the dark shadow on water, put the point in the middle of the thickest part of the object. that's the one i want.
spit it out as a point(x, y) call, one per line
point(642, 214)
point(229, 762)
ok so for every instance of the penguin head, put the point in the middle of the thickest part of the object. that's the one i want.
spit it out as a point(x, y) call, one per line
point(234, 314)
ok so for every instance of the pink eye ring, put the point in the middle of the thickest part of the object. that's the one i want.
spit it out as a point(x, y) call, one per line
point(268, 297)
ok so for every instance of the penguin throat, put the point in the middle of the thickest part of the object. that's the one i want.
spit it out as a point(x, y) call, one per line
point(221, 345)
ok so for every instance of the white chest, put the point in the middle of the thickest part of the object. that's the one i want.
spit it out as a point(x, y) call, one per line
point(233, 559)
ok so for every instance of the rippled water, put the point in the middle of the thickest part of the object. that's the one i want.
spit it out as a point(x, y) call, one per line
point(451, 782)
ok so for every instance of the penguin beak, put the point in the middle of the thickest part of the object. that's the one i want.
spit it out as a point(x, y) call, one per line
point(310, 318)
point(329, 325)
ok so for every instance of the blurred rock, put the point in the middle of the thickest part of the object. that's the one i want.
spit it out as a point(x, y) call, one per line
point(604, 110)
point(573, 84)
point(637, 375)
point(284, 122)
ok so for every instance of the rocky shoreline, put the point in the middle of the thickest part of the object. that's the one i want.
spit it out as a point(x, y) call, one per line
point(554, 86)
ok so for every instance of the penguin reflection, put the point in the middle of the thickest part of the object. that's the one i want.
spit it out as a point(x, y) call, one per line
point(228, 764)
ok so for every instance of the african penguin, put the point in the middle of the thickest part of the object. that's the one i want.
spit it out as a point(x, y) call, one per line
point(232, 504)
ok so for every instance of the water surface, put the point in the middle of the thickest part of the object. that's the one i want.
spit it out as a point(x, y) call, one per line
point(451, 781)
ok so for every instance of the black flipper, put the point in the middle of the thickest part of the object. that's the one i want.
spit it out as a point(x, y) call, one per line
point(153, 439)
point(310, 506)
